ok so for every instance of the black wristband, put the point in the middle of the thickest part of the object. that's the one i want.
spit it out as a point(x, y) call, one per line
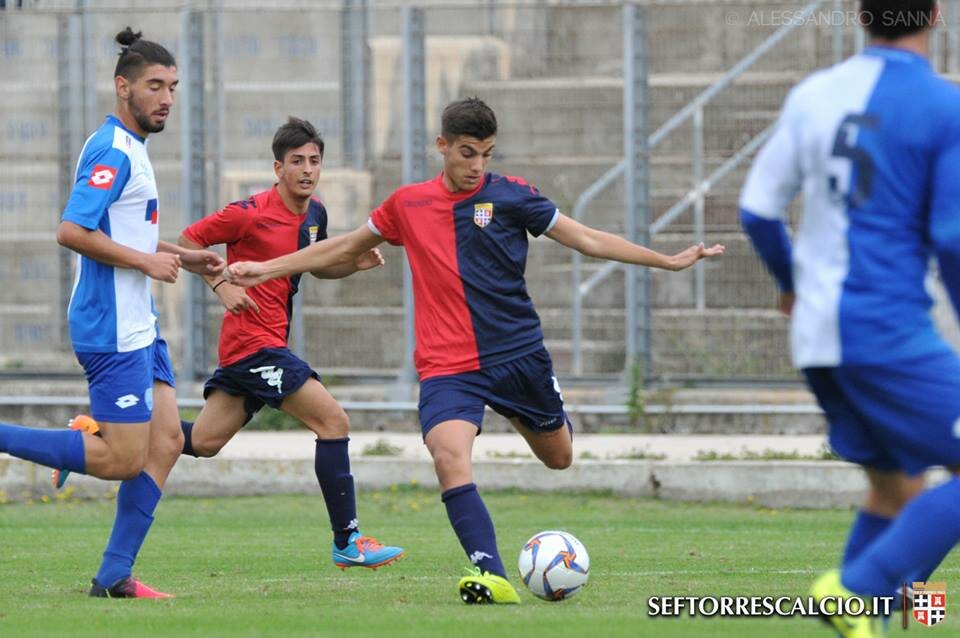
point(219, 283)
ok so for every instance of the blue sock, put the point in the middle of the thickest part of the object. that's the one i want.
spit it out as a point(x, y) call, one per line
point(331, 462)
point(866, 527)
point(187, 428)
point(922, 535)
point(136, 502)
point(474, 527)
point(59, 449)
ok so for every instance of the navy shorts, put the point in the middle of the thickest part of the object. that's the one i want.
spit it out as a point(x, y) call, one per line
point(121, 383)
point(525, 388)
point(265, 377)
point(902, 417)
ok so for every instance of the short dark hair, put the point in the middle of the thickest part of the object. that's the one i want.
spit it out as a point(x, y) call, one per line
point(136, 53)
point(893, 19)
point(294, 134)
point(469, 116)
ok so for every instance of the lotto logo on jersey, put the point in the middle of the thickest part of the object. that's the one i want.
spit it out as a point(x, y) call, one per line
point(482, 214)
point(102, 176)
point(929, 603)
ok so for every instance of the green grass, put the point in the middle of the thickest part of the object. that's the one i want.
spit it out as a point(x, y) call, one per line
point(261, 566)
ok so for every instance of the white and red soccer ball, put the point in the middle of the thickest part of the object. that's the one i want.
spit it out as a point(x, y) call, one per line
point(554, 565)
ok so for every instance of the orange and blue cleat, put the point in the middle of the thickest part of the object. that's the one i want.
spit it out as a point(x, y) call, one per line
point(365, 551)
point(128, 587)
point(83, 423)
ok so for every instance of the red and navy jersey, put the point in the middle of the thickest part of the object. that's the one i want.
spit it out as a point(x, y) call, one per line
point(258, 229)
point(468, 252)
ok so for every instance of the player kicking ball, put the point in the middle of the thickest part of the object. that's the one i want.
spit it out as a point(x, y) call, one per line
point(256, 367)
point(479, 340)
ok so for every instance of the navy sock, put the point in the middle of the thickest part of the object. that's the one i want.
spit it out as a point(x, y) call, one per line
point(332, 465)
point(866, 527)
point(474, 527)
point(136, 502)
point(187, 428)
point(59, 449)
point(922, 535)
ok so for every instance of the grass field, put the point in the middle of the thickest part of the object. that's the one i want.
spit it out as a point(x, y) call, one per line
point(261, 566)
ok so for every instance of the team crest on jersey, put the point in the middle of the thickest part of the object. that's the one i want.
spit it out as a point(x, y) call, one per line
point(482, 214)
point(313, 233)
point(929, 603)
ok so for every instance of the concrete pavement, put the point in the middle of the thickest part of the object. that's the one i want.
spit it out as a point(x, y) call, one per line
point(657, 466)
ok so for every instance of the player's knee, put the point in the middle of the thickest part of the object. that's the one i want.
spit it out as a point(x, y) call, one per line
point(559, 460)
point(335, 425)
point(171, 446)
point(448, 460)
point(127, 468)
point(888, 502)
point(338, 424)
point(206, 448)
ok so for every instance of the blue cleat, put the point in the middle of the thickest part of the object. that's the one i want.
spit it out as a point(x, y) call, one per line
point(365, 551)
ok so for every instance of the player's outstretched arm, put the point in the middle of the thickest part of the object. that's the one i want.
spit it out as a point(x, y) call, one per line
point(196, 260)
point(343, 249)
point(597, 243)
point(96, 245)
point(233, 298)
point(368, 260)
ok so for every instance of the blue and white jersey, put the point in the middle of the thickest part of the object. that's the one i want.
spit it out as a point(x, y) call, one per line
point(874, 145)
point(111, 309)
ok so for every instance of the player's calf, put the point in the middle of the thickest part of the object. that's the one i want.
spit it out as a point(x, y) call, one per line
point(554, 448)
point(201, 442)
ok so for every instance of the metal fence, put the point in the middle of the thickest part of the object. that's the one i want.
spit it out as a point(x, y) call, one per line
point(578, 88)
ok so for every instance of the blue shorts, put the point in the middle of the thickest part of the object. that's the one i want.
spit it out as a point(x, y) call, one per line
point(265, 377)
point(898, 417)
point(121, 383)
point(525, 388)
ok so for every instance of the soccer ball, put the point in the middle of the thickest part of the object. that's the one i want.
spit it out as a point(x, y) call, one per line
point(554, 565)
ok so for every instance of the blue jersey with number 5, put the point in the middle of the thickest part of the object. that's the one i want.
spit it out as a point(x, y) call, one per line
point(873, 143)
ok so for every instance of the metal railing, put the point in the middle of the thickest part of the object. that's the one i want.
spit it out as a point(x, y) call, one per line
point(696, 196)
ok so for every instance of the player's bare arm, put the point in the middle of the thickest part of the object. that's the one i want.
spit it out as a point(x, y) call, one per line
point(198, 261)
point(96, 245)
point(597, 243)
point(367, 261)
point(233, 298)
point(343, 249)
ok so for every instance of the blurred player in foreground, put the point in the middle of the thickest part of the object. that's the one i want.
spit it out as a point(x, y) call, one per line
point(479, 340)
point(874, 145)
point(256, 367)
point(111, 220)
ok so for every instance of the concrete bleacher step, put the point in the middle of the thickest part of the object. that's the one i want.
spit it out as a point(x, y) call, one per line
point(563, 60)
point(584, 115)
point(574, 116)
